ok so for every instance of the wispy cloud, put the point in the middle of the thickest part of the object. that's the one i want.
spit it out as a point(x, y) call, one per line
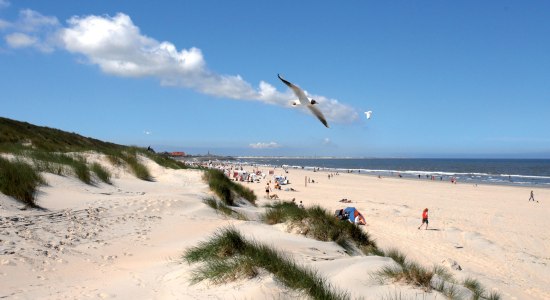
point(33, 30)
point(118, 47)
point(4, 24)
point(4, 3)
point(33, 21)
point(270, 145)
point(20, 40)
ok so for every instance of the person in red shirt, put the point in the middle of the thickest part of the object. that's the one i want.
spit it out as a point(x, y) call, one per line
point(424, 218)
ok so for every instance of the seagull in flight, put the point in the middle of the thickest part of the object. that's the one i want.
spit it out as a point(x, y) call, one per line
point(368, 114)
point(304, 100)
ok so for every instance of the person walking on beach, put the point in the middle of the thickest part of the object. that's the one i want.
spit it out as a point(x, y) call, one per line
point(267, 188)
point(424, 218)
point(532, 197)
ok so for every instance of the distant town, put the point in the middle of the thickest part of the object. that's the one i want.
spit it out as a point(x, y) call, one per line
point(180, 155)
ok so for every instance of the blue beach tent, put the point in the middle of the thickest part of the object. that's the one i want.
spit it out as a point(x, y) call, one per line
point(352, 213)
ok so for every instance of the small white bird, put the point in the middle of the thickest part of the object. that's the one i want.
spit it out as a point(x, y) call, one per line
point(304, 100)
point(368, 114)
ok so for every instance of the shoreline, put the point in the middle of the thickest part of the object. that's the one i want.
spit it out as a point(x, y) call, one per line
point(460, 177)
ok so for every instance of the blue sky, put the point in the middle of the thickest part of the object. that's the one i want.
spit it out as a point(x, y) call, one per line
point(443, 78)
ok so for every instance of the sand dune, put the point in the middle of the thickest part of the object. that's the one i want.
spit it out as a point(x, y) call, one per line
point(125, 240)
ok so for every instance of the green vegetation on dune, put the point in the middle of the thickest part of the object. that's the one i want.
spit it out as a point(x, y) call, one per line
point(101, 173)
point(224, 209)
point(58, 152)
point(19, 180)
point(132, 161)
point(321, 225)
point(54, 163)
point(15, 134)
point(226, 189)
point(227, 256)
point(412, 273)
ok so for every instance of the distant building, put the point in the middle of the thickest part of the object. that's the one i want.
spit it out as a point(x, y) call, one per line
point(177, 154)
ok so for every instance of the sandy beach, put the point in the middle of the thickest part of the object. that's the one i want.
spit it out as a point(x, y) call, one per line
point(125, 240)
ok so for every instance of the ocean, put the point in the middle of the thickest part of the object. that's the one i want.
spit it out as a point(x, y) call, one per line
point(517, 172)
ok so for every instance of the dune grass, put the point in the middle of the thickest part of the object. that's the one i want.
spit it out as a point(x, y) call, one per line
point(20, 181)
point(140, 170)
point(474, 286)
point(321, 225)
point(227, 256)
point(412, 273)
point(16, 134)
point(226, 189)
point(55, 163)
point(493, 296)
point(478, 290)
point(49, 146)
point(129, 157)
point(101, 173)
point(224, 209)
point(281, 212)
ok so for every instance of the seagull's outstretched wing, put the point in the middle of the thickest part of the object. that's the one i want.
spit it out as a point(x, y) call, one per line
point(318, 114)
point(297, 91)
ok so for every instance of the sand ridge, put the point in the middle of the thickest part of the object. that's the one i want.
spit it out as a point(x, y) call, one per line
point(126, 240)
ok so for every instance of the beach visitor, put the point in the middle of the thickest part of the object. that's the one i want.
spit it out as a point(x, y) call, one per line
point(532, 197)
point(301, 205)
point(267, 188)
point(424, 218)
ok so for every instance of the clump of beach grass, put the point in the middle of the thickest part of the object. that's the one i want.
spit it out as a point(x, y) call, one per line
point(478, 290)
point(224, 209)
point(407, 271)
point(20, 181)
point(227, 256)
point(318, 223)
point(493, 296)
point(474, 286)
point(101, 173)
point(412, 273)
point(130, 159)
point(140, 170)
point(55, 163)
point(226, 189)
point(281, 212)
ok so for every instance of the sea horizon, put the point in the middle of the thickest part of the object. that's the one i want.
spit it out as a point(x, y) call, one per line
point(515, 172)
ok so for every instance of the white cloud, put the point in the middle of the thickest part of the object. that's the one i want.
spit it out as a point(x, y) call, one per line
point(270, 145)
point(20, 40)
point(118, 47)
point(32, 29)
point(32, 21)
point(4, 24)
point(23, 40)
